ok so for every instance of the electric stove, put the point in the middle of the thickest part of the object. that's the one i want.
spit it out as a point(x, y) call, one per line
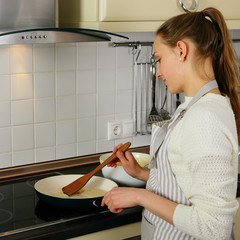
point(21, 210)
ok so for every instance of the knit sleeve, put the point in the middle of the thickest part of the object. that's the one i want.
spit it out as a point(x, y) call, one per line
point(208, 145)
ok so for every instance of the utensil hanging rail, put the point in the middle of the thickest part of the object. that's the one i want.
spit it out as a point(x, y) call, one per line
point(141, 84)
point(131, 44)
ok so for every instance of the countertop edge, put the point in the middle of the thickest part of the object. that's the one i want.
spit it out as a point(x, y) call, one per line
point(24, 170)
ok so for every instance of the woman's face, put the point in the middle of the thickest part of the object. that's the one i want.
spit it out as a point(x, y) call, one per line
point(168, 65)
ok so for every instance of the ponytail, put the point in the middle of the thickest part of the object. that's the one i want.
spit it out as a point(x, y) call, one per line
point(208, 31)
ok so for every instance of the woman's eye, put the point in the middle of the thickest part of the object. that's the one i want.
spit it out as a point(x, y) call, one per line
point(158, 61)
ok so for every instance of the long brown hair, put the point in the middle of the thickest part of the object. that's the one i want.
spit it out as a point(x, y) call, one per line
point(208, 31)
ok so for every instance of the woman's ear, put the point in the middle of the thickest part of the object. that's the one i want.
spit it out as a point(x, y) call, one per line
point(182, 50)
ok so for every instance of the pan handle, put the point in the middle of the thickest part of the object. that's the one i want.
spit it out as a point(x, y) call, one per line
point(97, 203)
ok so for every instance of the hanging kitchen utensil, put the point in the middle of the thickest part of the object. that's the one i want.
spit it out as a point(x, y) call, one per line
point(141, 90)
point(75, 186)
point(164, 113)
point(153, 116)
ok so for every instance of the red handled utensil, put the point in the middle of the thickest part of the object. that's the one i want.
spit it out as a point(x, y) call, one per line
point(76, 185)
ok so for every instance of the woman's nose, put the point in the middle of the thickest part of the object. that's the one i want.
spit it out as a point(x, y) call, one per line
point(158, 72)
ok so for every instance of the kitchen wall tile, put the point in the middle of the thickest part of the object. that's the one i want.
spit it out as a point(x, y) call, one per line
point(66, 83)
point(21, 60)
point(86, 105)
point(66, 151)
point(124, 57)
point(45, 154)
point(102, 127)
point(5, 114)
point(106, 57)
point(66, 58)
point(5, 160)
point(106, 103)
point(124, 102)
point(103, 44)
point(87, 57)
point(22, 86)
point(45, 135)
point(22, 137)
point(5, 87)
point(125, 78)
point(44, 58)
point(44, 85)
point(237, 49)
point(44, 110)
point(87, 44)
point(123, 140)
point(22, 112)
point(87, 81)
point(141, 140)
point(5, 140)
point(66, 107)
point(86, 129)
point(23, 157)
point(106, 80)
point(145, 36)
point(105, 146)
point(66, 44)
point(66, 132)
point(123, 117)
point(235, 33)
point(4, 60)
point(86, 148)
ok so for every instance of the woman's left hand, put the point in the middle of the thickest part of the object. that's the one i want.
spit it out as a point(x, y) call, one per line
point(121, 197)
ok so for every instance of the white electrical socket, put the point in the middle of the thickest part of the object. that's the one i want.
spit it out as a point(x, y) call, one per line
point(114, 130)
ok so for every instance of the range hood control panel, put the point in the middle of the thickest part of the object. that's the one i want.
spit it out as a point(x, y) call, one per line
point(33, 37)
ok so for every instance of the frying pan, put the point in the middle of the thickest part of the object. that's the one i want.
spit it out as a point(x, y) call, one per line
point(47, 191)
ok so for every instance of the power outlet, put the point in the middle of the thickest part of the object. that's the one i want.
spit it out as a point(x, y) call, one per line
point(114, 130)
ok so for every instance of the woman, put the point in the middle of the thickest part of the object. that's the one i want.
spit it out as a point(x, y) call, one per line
point(191, 186)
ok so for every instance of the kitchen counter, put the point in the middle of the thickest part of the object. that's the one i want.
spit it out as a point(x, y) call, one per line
point(33, 219)
point(45, 222)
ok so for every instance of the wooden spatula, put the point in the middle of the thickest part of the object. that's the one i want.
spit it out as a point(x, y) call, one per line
point(81, 182)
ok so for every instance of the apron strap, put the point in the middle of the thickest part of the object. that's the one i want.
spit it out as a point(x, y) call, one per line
point(160, 134)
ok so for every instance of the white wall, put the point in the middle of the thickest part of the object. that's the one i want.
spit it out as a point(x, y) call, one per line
point(56, 99)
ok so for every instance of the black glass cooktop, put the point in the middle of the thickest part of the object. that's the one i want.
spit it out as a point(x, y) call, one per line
point(20, 208)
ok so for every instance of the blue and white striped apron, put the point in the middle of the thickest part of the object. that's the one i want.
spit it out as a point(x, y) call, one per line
point(162, 181)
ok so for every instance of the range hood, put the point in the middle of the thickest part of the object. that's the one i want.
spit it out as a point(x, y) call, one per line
point(34, 21)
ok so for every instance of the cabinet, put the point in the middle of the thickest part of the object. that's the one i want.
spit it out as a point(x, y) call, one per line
point(135, 15)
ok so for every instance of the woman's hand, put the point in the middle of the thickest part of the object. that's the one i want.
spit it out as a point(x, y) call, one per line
point(124, 197)
point(121, 197)
point(129, 164)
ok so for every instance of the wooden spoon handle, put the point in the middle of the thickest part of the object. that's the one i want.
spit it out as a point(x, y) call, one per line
point(123, 148)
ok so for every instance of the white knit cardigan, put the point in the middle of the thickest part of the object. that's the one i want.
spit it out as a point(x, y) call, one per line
point(203, 155)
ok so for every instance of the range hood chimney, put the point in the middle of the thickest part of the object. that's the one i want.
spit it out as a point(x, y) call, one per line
point(34, 21)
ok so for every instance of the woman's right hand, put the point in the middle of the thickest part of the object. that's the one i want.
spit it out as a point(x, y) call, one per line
point(130, 164)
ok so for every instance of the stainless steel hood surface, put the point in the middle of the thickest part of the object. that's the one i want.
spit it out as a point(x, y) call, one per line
point(34, 21)
point(55, 35)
